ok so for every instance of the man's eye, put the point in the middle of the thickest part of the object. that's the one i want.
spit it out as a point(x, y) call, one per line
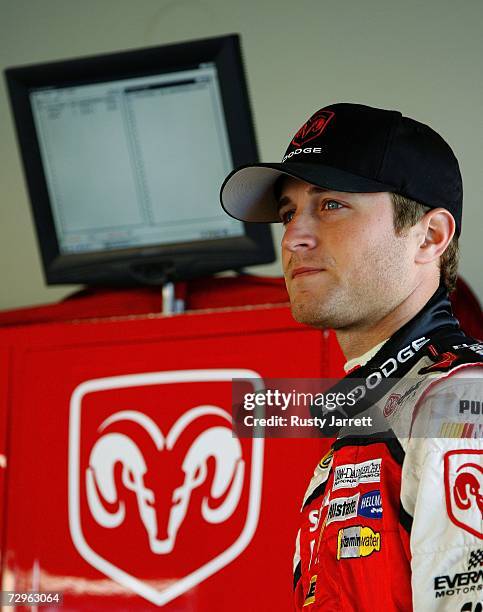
point(332, 205)
point(286, 216)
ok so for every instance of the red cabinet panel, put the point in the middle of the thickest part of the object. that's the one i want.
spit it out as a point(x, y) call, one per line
point(126, 488)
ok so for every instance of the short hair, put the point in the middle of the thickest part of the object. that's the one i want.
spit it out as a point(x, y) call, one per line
point(406, 214)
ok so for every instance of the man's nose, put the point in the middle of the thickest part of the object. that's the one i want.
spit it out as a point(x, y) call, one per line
point(300, 234)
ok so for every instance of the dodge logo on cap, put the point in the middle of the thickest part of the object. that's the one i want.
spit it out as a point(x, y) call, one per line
point(312, 128)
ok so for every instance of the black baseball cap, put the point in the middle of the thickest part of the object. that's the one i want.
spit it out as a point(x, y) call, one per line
point(358, 149)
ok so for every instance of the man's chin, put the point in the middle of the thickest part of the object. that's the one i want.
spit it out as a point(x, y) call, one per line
point(322, 316)
point(308, 316)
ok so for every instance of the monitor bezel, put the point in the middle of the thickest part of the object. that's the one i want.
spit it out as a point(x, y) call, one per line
point(160, 262)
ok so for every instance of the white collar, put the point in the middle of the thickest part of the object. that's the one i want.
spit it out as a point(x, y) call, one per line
point(363, 359)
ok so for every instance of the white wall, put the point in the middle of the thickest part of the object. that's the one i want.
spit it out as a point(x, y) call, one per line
point(423, 58)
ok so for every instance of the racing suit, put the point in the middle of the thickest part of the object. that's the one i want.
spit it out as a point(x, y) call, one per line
point(394, 520)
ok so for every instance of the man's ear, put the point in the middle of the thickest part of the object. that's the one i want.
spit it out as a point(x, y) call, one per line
point(435, 231)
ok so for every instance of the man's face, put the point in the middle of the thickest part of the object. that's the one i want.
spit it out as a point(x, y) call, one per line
point(344, 265)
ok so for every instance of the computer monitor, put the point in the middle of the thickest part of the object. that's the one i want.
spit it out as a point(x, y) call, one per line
point(124, 155)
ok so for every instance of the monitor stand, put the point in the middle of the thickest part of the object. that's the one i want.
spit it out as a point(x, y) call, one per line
point(171, 305)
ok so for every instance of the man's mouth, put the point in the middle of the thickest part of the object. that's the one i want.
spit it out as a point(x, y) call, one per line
point(305, 271)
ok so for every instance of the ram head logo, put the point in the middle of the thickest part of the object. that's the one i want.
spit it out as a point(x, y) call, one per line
point(162, 496)
point(468, 489)
point(118, 465)
point(463, 480)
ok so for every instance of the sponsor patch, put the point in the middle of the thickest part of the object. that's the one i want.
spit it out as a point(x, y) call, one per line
point(357, 541)
point(444, 364)
point(388, 368)
point(477, 348)
point(463, 483)
point(391, 404)
point(409, 393)
point(461, 430)
point(310, 597)
point(326, 459)
point(370, 505)
point(462, 582)
point(476, 559)
point(320, 476)
point(342, 508)
point(470, 406)
point(350, 475)
point(313, 520)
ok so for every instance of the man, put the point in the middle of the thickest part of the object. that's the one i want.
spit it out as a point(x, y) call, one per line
point(371, 202)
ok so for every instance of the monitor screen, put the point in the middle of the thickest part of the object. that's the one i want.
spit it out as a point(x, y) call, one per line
point(125, 157)
point(127, 138)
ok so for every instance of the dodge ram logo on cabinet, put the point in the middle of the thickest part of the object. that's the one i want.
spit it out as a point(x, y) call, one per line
point(161, 493)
